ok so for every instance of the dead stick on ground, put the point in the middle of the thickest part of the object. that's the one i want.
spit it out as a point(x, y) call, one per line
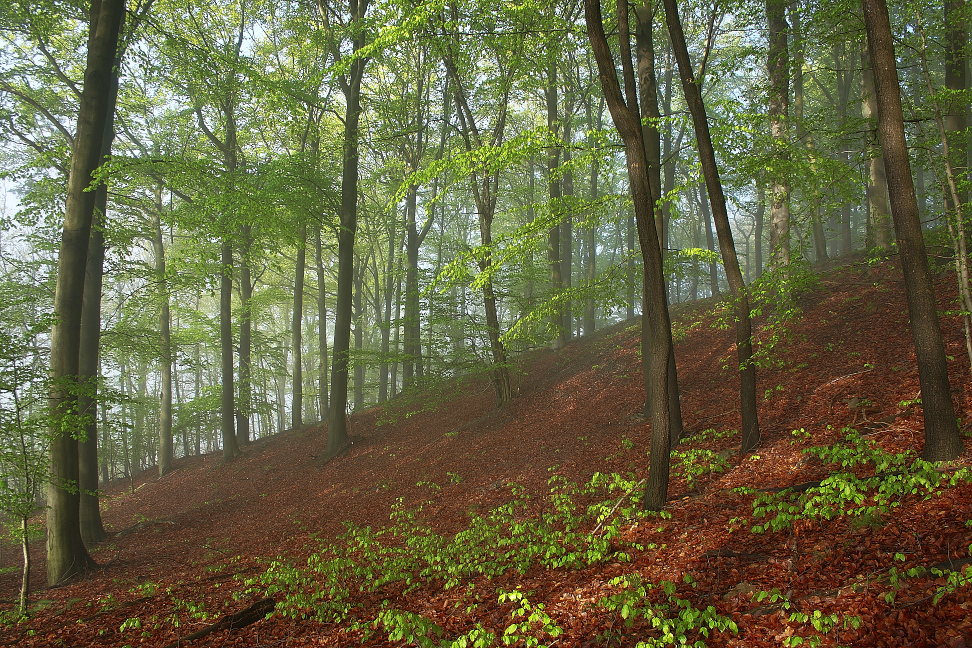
point(241, 619)
point(606, 517)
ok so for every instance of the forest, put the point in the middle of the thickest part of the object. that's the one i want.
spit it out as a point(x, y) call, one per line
point(616, 249)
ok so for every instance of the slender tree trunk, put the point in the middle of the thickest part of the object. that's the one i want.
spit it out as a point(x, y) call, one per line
point(297, 404)
point(956, 122)
point(590, 309)
point(758, 228)
point(321, 323)
point(844, 80)
point(227, 410)
point(556, 208)
point(942, 440)
point(244, 406)
point(710, 243)
point(359, 368)
point(877, 196)
point(337, 422)
point(630, 265)
point(744, 343)
point(651, 116)
point(778, 66)
point(165, 340)
point(567, 235)
point(656, 326)
point(66, 553)
point(386, 326)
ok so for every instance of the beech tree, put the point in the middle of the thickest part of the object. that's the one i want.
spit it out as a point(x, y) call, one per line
point(942, 440)
point(66, 553)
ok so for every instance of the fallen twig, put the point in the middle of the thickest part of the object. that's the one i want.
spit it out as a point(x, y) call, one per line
point(241, 619)
point(611, 512)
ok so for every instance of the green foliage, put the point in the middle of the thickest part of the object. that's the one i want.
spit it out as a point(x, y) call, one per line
point(409, 553)
point(675, 620)
point(775, 295)
point(692, 463)
point(845, 494)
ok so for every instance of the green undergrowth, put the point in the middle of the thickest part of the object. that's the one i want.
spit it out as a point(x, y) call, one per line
point(354, 580)
point(363, 579)
point(891, 478)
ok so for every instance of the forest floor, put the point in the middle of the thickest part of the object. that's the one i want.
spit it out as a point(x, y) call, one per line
point(859, 560)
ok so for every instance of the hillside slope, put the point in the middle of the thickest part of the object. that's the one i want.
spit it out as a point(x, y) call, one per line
point(182, 545)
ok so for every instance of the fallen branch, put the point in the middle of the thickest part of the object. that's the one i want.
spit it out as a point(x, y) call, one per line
point(611, 512)
point(257, 611)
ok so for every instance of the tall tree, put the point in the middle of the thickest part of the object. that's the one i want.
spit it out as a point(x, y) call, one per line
point(656, 326)
point(66, 553)
point(350, 82)
point(942, 440)
point(717, 200)
point(879, 223)
point(778, 66)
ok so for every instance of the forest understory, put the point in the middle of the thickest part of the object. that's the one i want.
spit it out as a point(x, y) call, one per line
point(868, 549)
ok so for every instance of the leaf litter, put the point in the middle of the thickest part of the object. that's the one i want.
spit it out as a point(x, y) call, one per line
point(181, 548)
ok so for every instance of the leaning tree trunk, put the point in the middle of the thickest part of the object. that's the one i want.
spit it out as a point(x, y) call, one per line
point(717, 201)
point(66, 553)
point(321, 323)
point(942, 440)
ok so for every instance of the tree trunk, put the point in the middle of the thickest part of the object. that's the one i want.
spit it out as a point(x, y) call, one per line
point(244, 407)
point(567, 237)
point(66, 553)
point(717, 200)
point(386, 326)
point(594, 124)
point(321, 324)
point(710, 243)
point(556, 208)
point(877, 196)
point(227, 411)
point(359, 367)
point(758, 229)
point(656, 326)
point(337, 423)
point(778, 67)
point(165, 339)
point(651, 116)
point(942, 440)
point(297, 404)
point(92, 528)
point(844, 74)
point(956, 45)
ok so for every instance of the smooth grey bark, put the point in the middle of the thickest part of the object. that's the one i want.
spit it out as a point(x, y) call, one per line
point(66, 553)
point(942, 440)
point(386, 326)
